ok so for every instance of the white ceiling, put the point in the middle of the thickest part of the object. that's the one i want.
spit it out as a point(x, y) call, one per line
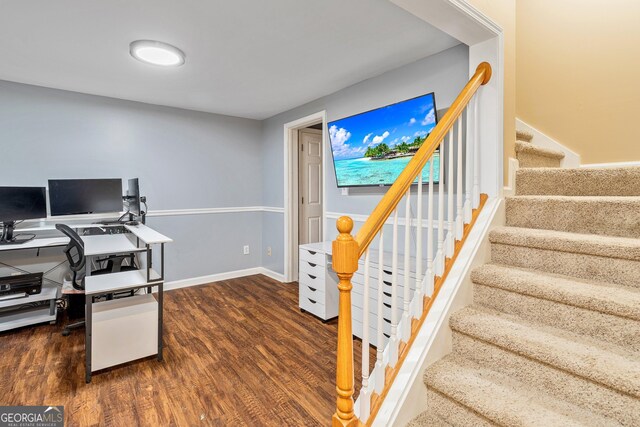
point(247, 58)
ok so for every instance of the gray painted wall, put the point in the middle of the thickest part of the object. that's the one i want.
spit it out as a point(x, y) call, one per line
point(445, 74)
point(184, 160)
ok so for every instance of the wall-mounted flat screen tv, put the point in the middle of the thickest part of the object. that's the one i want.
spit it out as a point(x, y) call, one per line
point(372, 148)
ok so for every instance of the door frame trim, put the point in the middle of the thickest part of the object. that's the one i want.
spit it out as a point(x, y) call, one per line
point(291, 188)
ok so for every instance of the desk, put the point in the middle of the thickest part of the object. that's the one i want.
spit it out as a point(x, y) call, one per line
point(120, 329)
point(13, 308)
point(110, 332)
point(36, 244)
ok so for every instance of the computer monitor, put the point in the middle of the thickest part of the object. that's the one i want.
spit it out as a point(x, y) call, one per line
point(132, 199)
point(17, 204)
point(85, 196)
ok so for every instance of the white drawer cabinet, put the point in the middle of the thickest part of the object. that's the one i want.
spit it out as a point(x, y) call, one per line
point(318, 289)
point(317, 282)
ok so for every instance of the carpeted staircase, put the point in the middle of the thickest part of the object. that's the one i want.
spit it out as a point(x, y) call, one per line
point(553, 336)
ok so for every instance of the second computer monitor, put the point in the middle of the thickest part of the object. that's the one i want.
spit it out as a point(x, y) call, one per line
point(85, 196)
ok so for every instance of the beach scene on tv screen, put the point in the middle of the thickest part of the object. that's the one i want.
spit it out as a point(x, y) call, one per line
point(373, 148)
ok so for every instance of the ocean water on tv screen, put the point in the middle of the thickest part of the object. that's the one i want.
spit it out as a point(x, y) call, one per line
point(365, 171)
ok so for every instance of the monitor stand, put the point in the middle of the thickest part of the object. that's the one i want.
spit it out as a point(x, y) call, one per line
point(7, 235)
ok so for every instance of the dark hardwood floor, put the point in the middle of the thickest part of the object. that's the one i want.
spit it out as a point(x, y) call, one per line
point(237, 352)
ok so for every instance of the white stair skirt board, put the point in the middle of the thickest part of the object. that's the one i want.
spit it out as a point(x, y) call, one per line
point(611, 165)
point(203, 280)
point(571, 158)
point(408, 393)
point(510, 188)
point(124, 330)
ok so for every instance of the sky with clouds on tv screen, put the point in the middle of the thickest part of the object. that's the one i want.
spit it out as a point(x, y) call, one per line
point(393, 124)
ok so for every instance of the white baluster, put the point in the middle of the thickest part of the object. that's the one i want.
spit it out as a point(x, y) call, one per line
point(459, 219)
point(405, 331)
point(450, 240)
point(365, 393)
point(394, 341)
point(476, 150)
point(419, 294)
point(440, 252)
point(468, 181)
point(428, 282)
point(379, 368)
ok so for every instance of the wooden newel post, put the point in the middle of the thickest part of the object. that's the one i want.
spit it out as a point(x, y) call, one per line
point(345, 263)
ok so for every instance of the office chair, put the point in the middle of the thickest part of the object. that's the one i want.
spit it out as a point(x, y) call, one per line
point(74, 252)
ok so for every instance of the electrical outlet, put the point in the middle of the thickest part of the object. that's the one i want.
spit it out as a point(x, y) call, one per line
point(268, 250)
point(245, 250)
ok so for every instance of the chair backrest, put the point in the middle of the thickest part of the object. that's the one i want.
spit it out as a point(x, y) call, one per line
point(74, 252)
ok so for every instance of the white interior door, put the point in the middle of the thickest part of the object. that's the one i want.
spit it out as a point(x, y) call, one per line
point(309, 186)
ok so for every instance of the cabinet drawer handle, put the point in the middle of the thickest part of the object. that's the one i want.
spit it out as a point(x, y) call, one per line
point(388, 272)
point(311, 275)
point(386, 283)
point(388, 336)
point(387, 294)
point(312, 301)
point(312, 252)
point(386, 305)
point(386, 320)
point(311, 264)
point(313, 289)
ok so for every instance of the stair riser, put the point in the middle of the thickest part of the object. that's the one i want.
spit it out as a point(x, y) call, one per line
point(612, 270)
point(619, 218)
point(531, 160)
point(577, 390)
point(614, 329)
point(452, 411)
point(579, 182)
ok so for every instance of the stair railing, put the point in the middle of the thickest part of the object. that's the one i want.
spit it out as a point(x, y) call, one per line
point(462, 206)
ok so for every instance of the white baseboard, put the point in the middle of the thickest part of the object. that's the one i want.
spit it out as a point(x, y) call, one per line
point(571, 158)
point(272, 274)
point(611, 165)
point(203, 280)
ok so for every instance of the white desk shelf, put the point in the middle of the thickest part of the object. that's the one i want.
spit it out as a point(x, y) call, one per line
point(147, 235)
point(109, 244)
point(12, 314)
point(36, 244)
point(114, 282)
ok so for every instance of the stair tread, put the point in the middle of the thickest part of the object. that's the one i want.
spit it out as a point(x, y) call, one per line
point(561, 349)
point(594, 295)
point(609, 199)
point(523, 135)
point(591, 244)
point(622, 181)
point(504, 400)
point(428, 419)
point(527, 147)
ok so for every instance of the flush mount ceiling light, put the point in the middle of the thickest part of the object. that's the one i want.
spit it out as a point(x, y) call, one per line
point(156, 53)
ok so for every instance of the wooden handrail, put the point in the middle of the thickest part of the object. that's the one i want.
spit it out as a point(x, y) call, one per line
point(390, 201)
